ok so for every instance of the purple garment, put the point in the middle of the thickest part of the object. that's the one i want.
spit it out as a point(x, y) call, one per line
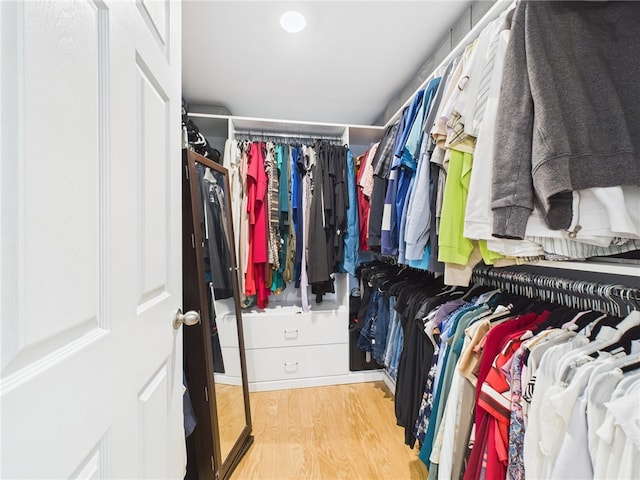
point(447, 308)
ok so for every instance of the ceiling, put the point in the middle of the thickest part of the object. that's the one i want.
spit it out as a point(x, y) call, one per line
point(348, 63)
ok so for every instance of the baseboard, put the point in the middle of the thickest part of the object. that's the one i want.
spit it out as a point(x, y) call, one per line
point(389, 382)
point(351, 377)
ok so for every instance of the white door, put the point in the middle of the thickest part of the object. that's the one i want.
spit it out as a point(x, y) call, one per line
point(91, 240)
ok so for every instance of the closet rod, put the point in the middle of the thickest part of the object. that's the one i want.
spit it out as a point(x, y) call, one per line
point(617, 300)
point(251, 135)
point(493, 13)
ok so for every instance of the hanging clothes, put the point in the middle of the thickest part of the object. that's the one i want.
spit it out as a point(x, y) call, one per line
point(291, 242)
point(295, 218)
point(215, 232)
point(528, 385)
point(448, 217)
point(257, 207)
point(381, 167)
point(350, 260)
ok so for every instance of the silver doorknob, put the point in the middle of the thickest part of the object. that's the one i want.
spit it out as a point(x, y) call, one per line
point(190, 318)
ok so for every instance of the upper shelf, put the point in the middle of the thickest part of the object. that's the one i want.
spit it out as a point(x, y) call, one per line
point(610, 268)
point(222, 125)
point(266, 126)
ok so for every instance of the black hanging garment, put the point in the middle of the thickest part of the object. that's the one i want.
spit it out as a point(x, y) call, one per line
point(321, 221)
point(216, 252)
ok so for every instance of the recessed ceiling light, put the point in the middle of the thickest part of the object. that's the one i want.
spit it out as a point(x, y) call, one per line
point(292, 22)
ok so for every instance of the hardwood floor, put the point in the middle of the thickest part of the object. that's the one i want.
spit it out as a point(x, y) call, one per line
point(335, 432)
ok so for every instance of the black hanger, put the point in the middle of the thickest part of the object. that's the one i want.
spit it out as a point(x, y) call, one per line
point(588, 318)
point(625, 341)
point(476, 291)
point(558, 317)
point(631, 367)
point(608, 321)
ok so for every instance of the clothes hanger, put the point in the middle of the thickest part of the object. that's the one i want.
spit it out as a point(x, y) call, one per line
point(475, 290)
point(624, 342)
point(635, 299)
point(630, 296)
point(605, 320)
point(631, 367)
point(622, 308)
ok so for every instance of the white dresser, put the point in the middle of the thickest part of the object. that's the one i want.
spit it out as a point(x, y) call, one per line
point(285, 343)
point(288, 348)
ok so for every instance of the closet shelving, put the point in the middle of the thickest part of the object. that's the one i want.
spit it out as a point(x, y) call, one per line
point(217, 128)
point(630, 269)
point(286, 347)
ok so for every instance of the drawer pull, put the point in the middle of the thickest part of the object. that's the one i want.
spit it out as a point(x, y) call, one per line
point(291, 334)
point(290, 364)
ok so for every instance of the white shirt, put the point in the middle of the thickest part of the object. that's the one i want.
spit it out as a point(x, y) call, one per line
point(598, 392)
point(606, 336)
point(623, 417)
point(469, 83)
point(554, 337)
point(366, 179)
point(573, 460)
point(559, 401)
point(533, 457)
point(602, 214)
point(231, 161)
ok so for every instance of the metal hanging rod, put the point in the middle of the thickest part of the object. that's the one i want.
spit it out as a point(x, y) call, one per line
point(616, 300)
point(279, 137)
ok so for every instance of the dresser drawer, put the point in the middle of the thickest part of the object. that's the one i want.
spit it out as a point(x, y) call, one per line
point(268, 364)
point(287, 328)
point(227, 330)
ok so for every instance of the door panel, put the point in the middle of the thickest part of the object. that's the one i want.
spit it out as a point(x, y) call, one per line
point(94, 466)
point(44, 191)
point(91, 382)
point(67, 64)
point(154, 161)
point(153, 404)
point(155, 14)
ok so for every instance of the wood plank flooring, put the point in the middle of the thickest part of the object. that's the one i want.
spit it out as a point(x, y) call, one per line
point(335, 432)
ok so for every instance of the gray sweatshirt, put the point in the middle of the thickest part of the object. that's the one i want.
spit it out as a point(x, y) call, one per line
point(569, 109)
